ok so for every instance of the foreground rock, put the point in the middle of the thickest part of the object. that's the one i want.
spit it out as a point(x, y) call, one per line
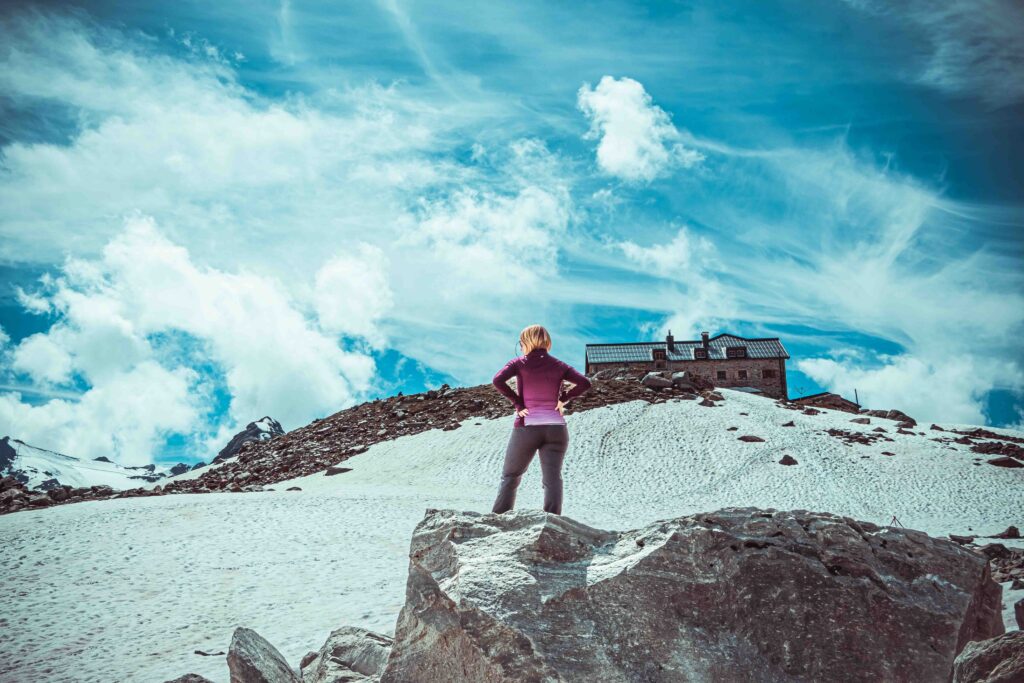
point(350, 654)
point(251, 659)
point(191, 678)
point(997, 660)
point(738, 594)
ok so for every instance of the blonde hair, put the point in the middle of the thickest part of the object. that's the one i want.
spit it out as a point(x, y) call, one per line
point(534, 336)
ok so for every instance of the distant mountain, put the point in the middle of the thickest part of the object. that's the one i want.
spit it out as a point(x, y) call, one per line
point(264, 429)
point(42, 470)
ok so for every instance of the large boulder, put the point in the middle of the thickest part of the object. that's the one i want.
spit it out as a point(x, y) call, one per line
point(251, 659)
point(191, 678)
point(737, 594)
point(655, 381)
point(350, 654)
point(996, 660)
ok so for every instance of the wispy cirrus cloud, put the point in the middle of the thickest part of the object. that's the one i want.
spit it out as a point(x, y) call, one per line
point(974, 45)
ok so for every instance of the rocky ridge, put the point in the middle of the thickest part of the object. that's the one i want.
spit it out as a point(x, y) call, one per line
point(263, 458)
point(332, 440)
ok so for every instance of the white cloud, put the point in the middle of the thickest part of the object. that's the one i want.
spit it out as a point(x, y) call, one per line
point(489, 244)
point(674, 259)
point(860, 250)
point(473, 269)
point(353, 293)
point(124, 314)
point(42, 359)
point(125, 419)
point(690, 261)
point(950, 390)
point(637, 141)
point(235, 177)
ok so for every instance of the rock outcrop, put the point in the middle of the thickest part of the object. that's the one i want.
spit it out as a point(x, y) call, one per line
point(350, 654)
point(251, 659)
point(737, 594)
point(261, 430)
point(996, 660)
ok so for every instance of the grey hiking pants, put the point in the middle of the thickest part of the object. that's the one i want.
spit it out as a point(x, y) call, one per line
point(552, 441)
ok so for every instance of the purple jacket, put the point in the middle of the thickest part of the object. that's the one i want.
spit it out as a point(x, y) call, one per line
point(539, 378)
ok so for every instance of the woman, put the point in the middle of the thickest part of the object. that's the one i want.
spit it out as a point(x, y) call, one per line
point(539, 423)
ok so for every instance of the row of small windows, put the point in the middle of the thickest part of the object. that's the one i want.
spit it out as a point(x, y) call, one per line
point(766, 373)
point(700, 353)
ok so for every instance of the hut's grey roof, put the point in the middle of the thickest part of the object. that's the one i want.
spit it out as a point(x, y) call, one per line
point(640, 352)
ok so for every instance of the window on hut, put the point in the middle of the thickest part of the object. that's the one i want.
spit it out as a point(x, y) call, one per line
point(721, 374)
point(741, 374)
point(735, 351)
point(700, 353)
point(768, 373)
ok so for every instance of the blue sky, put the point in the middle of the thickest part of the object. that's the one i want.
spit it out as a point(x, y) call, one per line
point(214, 211)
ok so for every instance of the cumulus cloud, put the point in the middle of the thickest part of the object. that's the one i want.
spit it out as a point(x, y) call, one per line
point(145, 311)
point(636, 138)
point(126, 419)
point(945, 390)
point(353, 293)
point(39, 357)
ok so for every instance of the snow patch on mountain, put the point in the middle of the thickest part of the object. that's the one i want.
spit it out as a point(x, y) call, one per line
point(40, 469)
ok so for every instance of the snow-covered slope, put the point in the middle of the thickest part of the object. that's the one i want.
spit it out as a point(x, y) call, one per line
point(38, 468)
point(141, 583)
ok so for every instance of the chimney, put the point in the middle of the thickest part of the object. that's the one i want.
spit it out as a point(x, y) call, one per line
point(670, 342)
point(704, 339)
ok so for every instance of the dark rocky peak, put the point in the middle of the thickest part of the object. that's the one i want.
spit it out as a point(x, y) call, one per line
point(264, 429)
point(7, 454)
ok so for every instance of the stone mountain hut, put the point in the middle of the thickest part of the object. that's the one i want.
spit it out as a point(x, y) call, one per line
point(725, 359)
